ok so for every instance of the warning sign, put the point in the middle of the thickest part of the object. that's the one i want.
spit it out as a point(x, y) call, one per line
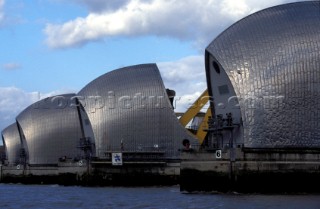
point(116, 158)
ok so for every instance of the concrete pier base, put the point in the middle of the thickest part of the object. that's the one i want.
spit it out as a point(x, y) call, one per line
point(262, 171)
point(68, 173)
point(96, 173)
point(136, 173)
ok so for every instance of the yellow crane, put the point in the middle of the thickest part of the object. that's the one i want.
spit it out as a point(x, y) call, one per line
point(193, 111)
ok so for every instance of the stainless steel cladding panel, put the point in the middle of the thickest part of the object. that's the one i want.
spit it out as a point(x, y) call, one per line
point(272, 58)
point(51, 129)
point(12, 143)
point(130, 111)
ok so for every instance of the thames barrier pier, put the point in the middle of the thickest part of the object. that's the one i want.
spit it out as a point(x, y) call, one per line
point(260, 133)
point(263, 76)
point(120, 129)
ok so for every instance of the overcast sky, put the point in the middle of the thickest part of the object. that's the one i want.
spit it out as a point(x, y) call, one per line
point(51, 47)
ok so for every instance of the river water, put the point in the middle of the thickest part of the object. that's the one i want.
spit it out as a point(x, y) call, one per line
point(54, 196)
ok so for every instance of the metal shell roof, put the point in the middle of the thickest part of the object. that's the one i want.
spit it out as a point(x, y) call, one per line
point(130, 111)
point(12, 143)
point(272, 58)
point(51, 129)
